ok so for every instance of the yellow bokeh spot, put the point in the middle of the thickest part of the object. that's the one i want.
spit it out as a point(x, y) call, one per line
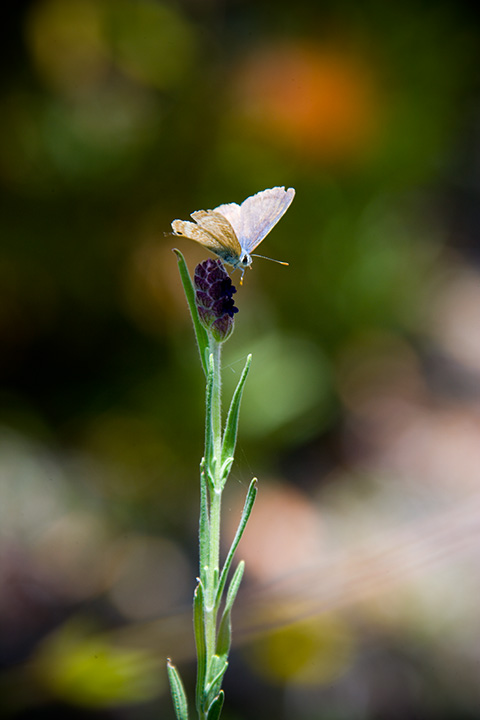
point(313, 652)
point(78, 46)
point(89, 670)
point(66, 41)
point(149, 41)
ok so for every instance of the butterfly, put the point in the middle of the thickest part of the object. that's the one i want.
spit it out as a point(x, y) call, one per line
point(233, 231)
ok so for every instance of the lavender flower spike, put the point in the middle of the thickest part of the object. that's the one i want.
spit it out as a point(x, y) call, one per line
point(213, 296)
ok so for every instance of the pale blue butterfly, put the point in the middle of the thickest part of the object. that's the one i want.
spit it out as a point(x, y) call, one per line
point(233, 231)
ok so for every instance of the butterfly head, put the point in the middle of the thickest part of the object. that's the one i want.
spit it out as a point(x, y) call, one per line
point(244, 261)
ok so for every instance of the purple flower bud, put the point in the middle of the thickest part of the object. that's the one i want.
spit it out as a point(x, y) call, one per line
point(213, 295)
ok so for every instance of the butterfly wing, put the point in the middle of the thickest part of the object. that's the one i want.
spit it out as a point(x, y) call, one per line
point(211, 230)
point(220, 228)
point(257, 215)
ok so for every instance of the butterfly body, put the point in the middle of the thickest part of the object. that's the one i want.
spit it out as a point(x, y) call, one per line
point(233, 231)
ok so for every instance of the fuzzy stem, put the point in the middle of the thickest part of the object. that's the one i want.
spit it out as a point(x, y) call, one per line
point(216, 351)
point(215, 503)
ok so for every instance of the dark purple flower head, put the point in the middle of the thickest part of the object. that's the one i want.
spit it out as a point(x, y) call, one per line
point(213, 294)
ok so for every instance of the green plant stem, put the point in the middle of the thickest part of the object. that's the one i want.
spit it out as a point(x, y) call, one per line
point(213, 574)
point(215, 504)
point(216, 351)
point(216, 491)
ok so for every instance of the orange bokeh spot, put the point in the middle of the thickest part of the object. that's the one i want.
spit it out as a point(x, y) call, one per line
point(320, 100)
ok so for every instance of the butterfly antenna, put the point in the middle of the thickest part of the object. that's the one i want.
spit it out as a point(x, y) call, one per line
point(280, 262)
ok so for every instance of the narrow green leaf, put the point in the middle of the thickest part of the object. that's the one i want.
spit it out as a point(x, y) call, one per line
point(217, 668)
point(234, 585)
point(204, 523)
point(247, 509)
point(199, 629)
point(209, 442)
point(226, 467)
point(178, 692)
point(216, 707)
point(231, 426)
point(217, 671)
point(224, 637)
point(200, 332)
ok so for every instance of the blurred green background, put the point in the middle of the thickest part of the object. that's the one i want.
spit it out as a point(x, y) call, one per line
point(361, 414)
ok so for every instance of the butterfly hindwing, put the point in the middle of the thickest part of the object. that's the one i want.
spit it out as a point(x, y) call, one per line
point(192, 231)
point(219, 228)
point(213, 231)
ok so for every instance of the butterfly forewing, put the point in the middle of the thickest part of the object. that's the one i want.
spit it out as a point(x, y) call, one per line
point(233, 213)
point(257, 215)
point(261, 212)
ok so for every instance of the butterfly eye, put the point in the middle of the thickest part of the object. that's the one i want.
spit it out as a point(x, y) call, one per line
point(246, 260)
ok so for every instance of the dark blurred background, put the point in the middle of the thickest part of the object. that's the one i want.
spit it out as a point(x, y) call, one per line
point(361, 416)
